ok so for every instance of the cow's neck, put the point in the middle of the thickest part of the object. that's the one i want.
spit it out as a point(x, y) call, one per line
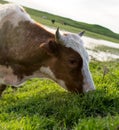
point(23, 59)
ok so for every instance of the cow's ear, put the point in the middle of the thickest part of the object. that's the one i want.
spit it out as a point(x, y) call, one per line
point(50, 47)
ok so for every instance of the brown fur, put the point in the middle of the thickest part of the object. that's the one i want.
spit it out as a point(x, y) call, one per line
point(28, 46)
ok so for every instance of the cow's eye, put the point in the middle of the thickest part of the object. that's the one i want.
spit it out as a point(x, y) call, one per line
point(73, 62)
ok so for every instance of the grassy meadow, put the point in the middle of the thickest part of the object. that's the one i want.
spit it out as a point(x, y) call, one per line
point(41, 104)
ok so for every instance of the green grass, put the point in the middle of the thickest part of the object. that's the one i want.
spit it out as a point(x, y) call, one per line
point(107, 49)
point(3, 2)
point(74, 26)
point(43, 105)
point(95, 31)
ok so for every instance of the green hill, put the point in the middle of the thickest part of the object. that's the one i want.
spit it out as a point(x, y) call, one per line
point(92, 30)
point(84, 26)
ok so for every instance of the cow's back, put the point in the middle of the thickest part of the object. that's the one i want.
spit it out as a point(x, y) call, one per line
point(12, 13)
point(20, 36)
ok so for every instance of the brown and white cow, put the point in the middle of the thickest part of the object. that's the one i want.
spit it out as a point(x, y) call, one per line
point(27, 50)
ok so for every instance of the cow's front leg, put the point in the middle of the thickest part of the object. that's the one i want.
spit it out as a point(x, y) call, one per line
point(2, 88)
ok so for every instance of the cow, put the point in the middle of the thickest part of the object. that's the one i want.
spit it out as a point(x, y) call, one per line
point(28, 50)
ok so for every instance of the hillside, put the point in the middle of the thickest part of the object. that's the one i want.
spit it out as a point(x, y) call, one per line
point(93, 30)
point(79, 25)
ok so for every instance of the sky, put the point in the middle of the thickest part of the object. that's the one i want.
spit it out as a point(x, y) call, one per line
point(101, 12)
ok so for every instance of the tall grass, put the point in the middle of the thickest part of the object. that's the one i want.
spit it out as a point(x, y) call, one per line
point(43, 105)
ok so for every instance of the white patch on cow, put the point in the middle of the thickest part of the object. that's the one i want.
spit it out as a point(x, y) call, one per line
point(13, 13)
point(74, 41)
point(7, 76)
point(62, 83)
point(48, 73)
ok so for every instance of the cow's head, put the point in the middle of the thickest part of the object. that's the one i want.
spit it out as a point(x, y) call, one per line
point(69, 63)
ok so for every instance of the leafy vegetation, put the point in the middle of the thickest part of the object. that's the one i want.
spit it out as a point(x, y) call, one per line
point(43, 105)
